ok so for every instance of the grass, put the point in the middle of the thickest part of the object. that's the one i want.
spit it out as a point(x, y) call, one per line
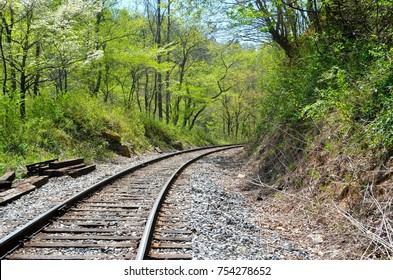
point(71, 125)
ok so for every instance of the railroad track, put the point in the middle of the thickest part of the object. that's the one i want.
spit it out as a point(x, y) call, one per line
point(172, 234)
point(114, 219)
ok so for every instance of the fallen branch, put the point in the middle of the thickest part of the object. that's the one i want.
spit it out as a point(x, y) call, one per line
point(380, 237)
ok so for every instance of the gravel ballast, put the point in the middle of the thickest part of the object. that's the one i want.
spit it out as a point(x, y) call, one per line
point(225, 225)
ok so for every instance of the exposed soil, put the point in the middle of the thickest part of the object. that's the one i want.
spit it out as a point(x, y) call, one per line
point(309, 222)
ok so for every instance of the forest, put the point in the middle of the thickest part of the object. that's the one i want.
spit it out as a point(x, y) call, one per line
point(149, 71)
point(224, 71)
point(307, 83)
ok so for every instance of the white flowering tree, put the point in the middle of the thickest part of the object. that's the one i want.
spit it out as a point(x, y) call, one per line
point(41, 40)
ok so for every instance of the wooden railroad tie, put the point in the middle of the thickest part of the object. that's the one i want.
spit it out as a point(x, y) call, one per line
point(6, 180)
point(73, 167)
point(39, 174)
point(36, 168)
point(20, 189)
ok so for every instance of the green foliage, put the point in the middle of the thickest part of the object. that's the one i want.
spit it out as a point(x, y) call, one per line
point(286, 88)
point(341, 75)
point(380, 131)
point(167, 135)
point(335, 95)
point(71, 70)
point(65, 126)
point(361, 100)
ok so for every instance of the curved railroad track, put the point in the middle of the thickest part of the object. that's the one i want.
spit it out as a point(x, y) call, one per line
point(114, 219)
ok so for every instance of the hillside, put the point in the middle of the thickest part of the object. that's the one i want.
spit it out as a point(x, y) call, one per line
point(326, 194)
point(325, 136)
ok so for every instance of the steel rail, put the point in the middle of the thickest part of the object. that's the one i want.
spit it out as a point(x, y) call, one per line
point(13, 240)
point(145, 243)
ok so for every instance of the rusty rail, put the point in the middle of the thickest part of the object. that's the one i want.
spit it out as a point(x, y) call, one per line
point(145, 242)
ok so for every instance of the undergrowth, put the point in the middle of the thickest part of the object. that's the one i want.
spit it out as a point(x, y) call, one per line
point(71, 125)
point(327, 128)
point(168, 136)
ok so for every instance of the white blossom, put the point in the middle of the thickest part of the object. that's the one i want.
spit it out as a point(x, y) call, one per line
point(94, 56)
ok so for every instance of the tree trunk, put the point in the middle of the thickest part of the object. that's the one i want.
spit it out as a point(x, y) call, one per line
point(176, 111)
point(4, 60)
point(159, 75)
point(9, 27)
point(187, 114)
point(168, 73)
point(147, 93)
point(167, 98)
point(196, 117)
point(97, 85)
point(138, 99)
point(37, 74)
point(23, 65)
point(159, 94)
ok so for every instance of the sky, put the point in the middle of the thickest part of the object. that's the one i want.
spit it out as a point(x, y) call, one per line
point(222, 34)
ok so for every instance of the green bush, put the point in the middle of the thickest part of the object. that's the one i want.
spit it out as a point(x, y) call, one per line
point(62, 126)
point(164, 135)
point(380, 131)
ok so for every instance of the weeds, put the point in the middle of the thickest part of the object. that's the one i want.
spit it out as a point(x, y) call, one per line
point(378, 230)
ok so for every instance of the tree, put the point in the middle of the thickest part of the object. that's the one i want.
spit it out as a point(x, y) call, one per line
point(41, 39)
point(191, 43)
point(160, 60)
point(215, 77)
